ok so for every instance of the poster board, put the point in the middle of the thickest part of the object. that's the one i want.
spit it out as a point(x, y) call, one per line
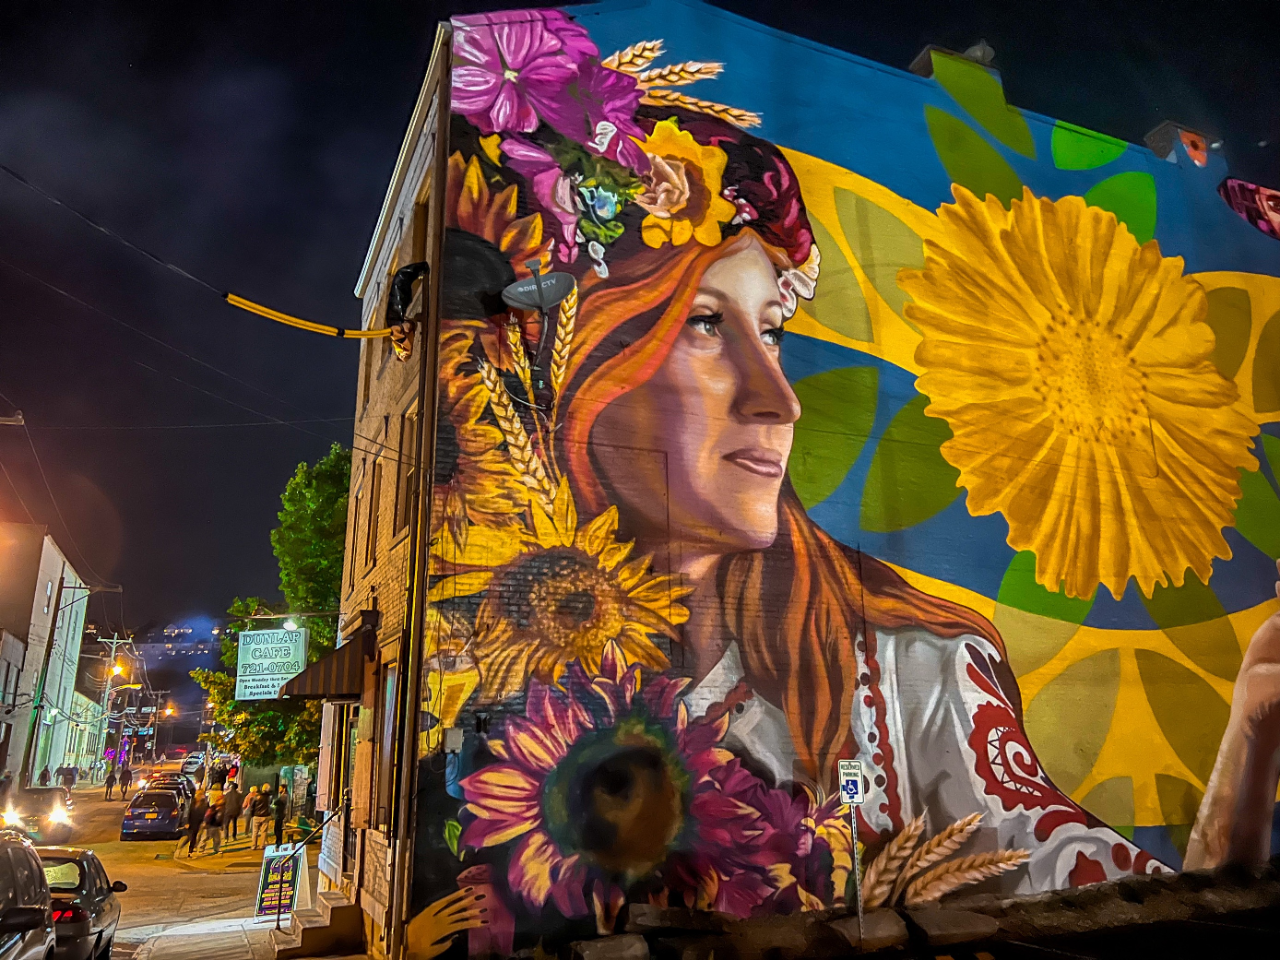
point(284, 884)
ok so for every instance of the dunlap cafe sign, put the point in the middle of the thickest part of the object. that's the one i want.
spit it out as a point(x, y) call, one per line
point(268, 660)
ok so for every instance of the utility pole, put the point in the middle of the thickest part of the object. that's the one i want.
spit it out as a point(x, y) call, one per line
point(14, 421)
point(112, 669)
point(157, 696)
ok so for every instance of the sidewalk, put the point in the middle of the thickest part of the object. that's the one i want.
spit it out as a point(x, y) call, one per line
point(235, 938)
point(231, 939)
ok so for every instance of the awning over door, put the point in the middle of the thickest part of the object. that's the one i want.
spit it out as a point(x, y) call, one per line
point(339, 676)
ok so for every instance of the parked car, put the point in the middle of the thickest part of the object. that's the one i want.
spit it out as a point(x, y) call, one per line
point(182, 785)
point(26, 914)
point(192, 763)
point(43, 813)
point(85, 909)
point(154, 815)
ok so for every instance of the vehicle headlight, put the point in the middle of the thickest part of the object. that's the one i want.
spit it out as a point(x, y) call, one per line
point(59, 815)
point(12, 818)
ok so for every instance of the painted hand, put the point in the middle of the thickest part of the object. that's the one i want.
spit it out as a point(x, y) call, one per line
point(432, 931)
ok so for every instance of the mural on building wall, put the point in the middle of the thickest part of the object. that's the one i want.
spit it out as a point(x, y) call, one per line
point(982, 493)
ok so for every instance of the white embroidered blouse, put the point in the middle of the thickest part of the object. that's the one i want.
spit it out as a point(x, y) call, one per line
point(937, 736)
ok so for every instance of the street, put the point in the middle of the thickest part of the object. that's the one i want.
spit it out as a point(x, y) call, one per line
point(198, 904)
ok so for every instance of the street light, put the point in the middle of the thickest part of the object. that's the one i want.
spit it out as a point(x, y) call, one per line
point(117, 669)
point(291, 624)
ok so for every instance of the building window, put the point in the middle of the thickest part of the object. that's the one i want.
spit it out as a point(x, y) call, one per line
point(371, 525)
point(405, 471)
point(355, 527)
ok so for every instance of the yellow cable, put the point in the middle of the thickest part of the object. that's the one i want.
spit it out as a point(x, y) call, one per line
point(276, 315)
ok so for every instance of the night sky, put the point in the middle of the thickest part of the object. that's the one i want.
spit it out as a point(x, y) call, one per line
point(251, 143)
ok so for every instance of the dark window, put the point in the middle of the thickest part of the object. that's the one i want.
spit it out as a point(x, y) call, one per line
point(29, 877)
point(371, 526)
point(160, 800)
point(355, 528)
point(405, 471)
point(8, 882)
point(386, 751)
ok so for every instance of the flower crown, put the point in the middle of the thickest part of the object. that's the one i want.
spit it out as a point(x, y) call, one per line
point(610, 156)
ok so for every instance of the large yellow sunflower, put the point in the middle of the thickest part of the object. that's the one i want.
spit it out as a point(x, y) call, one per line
point(1073, 367)
point(559, 594)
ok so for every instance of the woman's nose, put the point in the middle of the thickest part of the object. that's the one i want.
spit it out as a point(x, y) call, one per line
point(763, 390)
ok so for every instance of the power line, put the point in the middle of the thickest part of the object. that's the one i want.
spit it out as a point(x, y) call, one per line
point(107, 231)
point(191, 426)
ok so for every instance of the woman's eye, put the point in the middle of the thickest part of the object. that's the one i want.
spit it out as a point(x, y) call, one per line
point(706, 323)
point(773, 336)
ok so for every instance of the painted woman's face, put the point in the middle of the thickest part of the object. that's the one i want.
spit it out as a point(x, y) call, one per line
point(697, 454)
point(1269, 200)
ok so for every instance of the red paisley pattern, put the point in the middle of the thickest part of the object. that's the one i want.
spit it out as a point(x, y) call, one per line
point(1005, 761)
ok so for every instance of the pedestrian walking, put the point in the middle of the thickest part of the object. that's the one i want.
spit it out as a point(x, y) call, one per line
point(249, 800)
point(235, 803)
point(111, 783)
point(44, 777)
point(195, 820)
point(126, 778)
point(213, 819)
point(261, 817)
point(69, 777)
point(280, 807)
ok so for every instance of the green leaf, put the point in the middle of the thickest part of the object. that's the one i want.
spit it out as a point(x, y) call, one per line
point(881, 242)
point(1111, 801)
point(1195, 621)
point(1190, 713)
point(1231, 318)
point(1075, 148)
point(976, 89)
point(1069, 719)
point(838, 303)
point(452, 833)
point(1132, 198)
point(1019, 589)
point(969, 160)
point(1258, 512)
point(838, 408)
point(1266, 368)
point(909, 480)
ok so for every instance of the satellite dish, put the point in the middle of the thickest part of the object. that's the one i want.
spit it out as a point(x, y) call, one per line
point(542, 291)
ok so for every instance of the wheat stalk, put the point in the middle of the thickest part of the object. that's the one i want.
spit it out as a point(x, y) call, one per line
point(635, 58)
point(940, 881)
point(564, 340)
point(532, 471)
point(884, 870)
point(679, 74)
point(935, 851)
point(671, 98)
point(520, 358)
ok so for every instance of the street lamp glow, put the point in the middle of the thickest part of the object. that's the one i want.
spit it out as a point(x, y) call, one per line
point(290, 624)
point(117, 669)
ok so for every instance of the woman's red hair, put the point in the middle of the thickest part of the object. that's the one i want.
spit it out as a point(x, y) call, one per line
point(797, 607)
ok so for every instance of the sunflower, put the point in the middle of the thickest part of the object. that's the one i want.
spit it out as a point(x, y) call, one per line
point(471, 206)
point(684, 819)
point(559, 594)
point(475, 482)
point(682, 190)
point(1073, 367)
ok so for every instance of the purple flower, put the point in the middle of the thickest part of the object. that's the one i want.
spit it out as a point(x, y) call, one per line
point(552, 189)
point(513, 66)
point(602, 115)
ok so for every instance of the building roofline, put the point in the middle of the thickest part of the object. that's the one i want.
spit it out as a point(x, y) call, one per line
point(416, 122)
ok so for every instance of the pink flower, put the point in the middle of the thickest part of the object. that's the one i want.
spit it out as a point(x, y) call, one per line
point(602, 115)
point(552, 189)
point(514, 66)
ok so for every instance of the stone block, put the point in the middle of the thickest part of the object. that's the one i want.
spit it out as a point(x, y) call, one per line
point(625, 946)
point(942, 927)
point(881, 929)
point(645, 918)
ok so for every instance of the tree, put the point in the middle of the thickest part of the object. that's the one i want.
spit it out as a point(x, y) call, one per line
point(309, 546)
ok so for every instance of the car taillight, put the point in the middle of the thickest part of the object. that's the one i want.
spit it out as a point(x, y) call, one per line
point(64, 912)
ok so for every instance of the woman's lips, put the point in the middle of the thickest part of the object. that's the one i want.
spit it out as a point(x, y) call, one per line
point(763, 463)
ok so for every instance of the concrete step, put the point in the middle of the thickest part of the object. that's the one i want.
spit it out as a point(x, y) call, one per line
point(333, 927)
